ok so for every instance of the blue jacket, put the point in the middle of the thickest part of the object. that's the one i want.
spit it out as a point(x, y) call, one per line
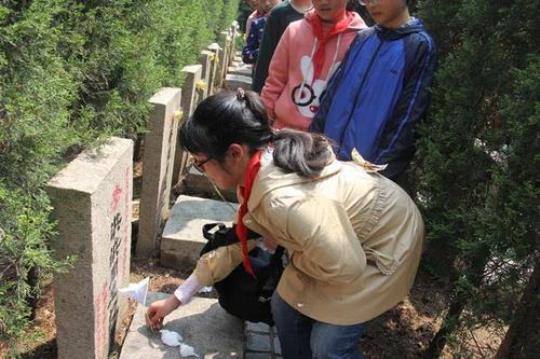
point(379, 94)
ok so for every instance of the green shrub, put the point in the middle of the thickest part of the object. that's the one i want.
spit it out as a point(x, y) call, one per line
point(478, 158)
point(72, 74)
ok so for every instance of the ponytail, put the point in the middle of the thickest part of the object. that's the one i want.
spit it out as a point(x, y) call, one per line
point(305, 154)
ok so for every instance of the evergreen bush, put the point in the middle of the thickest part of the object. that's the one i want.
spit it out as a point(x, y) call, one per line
point(479, 159)
point(72, 74)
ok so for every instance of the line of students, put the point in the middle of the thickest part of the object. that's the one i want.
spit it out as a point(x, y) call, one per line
point(364, 88)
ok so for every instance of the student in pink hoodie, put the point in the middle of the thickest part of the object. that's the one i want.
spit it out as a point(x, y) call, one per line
point(308, 53)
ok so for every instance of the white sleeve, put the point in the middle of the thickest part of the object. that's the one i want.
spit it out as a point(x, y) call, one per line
point(187, 290)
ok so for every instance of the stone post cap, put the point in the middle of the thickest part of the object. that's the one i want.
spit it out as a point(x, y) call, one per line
point(214, 46)
point(87, 170)
point(164, 95)
point(192, 68)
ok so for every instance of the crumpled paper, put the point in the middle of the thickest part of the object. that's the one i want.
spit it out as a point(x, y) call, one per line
point(187, 351)
point(173, 339)
point(137, 291)
point(170, 338)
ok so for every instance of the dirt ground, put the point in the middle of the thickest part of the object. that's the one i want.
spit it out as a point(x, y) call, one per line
point(403, 332)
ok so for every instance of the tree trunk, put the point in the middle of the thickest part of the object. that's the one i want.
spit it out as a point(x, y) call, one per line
point(522, 340)
point(451, 321)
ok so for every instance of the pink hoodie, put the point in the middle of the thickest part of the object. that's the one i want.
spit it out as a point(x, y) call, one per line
point(290, 93)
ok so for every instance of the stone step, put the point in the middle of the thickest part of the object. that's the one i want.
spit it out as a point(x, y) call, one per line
point(202, 323)
point(232, 82)
point(182, 238)
point(242, 69)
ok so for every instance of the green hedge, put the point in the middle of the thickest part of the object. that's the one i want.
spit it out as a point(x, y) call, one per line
point(478, 160)
point(72, 74)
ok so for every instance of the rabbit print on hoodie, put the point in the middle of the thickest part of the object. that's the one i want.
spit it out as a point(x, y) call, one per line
point(307, 55)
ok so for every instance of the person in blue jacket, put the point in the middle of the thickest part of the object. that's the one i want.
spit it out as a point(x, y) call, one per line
point(380, 92)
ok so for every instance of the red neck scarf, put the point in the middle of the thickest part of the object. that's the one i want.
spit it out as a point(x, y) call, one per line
point(317, 24)
point(253, 167)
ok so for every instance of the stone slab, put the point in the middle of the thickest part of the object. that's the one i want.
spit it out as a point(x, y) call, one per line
point(92, 204)
point(202, 323)
point(182, 238)
point(232, 82)
point(241, 69)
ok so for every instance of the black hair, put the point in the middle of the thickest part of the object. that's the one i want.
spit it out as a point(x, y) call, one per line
point(228, 117)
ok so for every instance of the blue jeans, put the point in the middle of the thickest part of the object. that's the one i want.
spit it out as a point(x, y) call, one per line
point(302, 337)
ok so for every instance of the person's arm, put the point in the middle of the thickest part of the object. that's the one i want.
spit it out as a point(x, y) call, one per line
point(278, 74)
point(396, 144)
point(320, 239)
point(270, 39)
point(212, 267)
point(158, 310)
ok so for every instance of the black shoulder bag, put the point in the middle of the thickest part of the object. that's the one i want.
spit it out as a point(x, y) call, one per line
point(240, 294)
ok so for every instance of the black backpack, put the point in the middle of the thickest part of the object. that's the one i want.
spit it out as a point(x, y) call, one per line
point(240, 294)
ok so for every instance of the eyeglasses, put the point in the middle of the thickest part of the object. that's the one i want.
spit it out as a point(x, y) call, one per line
point(366, 2)
point(199, 164)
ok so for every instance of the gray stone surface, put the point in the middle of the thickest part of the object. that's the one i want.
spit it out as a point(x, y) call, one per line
point(259, 327)
point(202, 323)
point(241, 69)
point(92, 204)
point(182, 237)
point(250, 355)
point(258, 342)
point(158, 166)
point(261, 341)
point(232, 82)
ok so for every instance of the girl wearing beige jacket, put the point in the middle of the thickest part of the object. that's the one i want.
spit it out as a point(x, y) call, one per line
point(353, 237)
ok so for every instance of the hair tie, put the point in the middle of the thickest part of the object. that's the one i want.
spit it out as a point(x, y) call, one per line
point(240, 94)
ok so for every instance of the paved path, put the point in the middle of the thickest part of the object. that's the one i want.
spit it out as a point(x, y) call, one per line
point(207, 327)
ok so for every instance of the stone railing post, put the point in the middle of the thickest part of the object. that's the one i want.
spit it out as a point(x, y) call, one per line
point(212, 81)
point(92, 204)
point(158, 165)
point(205, 60)
point(189, 102)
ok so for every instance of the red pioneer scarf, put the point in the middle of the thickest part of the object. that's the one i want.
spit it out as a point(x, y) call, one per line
point(253, 167)
point(317, 25)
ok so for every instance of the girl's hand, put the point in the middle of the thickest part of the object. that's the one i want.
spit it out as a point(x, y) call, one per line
point(159, 310)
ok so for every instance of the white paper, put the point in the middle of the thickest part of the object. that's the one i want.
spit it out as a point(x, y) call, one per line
point(137, 291)
point(187, 351)
point(206, 289)
point(170, 338)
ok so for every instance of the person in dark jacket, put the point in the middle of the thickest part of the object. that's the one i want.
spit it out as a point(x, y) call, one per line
point(380, 92)
point(280, 17)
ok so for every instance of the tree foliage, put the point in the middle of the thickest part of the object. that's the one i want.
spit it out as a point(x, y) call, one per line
point(73, 73)
point(479, 157)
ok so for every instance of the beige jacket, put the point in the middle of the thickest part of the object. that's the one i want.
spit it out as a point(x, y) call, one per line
point(354, 241)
